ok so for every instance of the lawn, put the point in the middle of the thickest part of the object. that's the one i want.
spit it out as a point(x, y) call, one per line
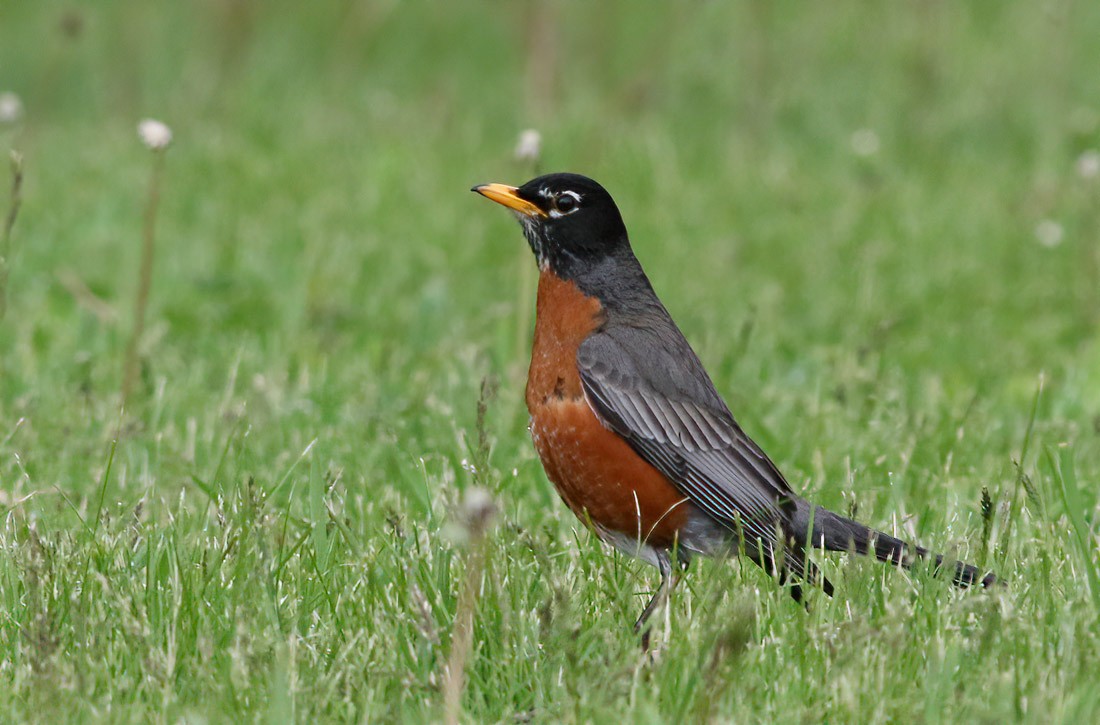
point(878, 224)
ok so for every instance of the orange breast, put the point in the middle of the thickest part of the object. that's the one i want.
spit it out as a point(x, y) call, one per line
point(597, 474)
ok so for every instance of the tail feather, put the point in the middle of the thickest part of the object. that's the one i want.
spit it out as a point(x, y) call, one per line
point(833, 532)
point(792, 568)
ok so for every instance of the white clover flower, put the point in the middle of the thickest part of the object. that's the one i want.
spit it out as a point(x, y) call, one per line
point(1049, 233)
point(11, 108)
point(865, 142)
point(1088, 164)
point(154, 134)
point(528, 145)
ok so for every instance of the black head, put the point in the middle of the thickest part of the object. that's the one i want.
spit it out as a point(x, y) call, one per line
point(570, 221)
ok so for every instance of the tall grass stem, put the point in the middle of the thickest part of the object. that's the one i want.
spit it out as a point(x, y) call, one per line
point(145, 276)
point(16, 201)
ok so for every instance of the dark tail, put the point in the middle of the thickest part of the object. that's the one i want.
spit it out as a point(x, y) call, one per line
point(833, 532)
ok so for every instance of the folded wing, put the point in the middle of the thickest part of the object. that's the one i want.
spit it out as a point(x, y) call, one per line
point(640, 385)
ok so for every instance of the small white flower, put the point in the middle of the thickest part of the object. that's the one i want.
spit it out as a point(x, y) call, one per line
point(1049, 233)
point(865, 142)
point(528, 146)
point(154, 134)
point(11, 108)
point(1088, 164)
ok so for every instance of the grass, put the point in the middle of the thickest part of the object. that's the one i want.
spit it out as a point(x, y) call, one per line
point(271, 530)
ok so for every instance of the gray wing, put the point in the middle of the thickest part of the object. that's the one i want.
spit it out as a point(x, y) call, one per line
point(649, 387)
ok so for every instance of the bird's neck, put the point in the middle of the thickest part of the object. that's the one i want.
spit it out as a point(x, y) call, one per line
point(620, 284)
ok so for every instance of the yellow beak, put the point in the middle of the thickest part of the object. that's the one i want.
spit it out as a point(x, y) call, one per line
point(509, 197)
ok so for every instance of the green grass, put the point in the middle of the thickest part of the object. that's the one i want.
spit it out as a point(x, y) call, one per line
point(271, 531)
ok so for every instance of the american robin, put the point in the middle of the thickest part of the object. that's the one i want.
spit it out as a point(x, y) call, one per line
point(629, 426)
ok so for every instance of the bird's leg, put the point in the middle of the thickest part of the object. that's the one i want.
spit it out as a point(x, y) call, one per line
point(664, 565)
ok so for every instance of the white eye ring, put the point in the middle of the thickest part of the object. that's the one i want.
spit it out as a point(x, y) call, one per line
point(565, 203)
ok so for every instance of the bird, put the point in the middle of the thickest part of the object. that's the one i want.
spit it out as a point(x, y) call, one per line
point(631, 430)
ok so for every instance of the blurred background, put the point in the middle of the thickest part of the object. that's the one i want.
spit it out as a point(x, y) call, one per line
point(877, 223)
point(916, 182)
point(920, 165)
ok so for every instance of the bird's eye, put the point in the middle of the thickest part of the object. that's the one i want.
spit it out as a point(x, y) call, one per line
point(566, 202)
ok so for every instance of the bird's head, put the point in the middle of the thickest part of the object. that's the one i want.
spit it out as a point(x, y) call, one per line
point(570, 221)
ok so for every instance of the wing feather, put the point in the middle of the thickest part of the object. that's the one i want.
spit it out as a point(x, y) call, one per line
point(685, 432)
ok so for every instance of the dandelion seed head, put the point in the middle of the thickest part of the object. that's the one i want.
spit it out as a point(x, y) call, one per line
point(474, 515)
point(529, 145)
point(478, 503)
point(11, 107)
point(865, 142)
point(1049, 233)
point(154, 134)
point(1088, 164)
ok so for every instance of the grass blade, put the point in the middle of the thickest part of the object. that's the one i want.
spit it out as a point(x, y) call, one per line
point(1062, 466)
